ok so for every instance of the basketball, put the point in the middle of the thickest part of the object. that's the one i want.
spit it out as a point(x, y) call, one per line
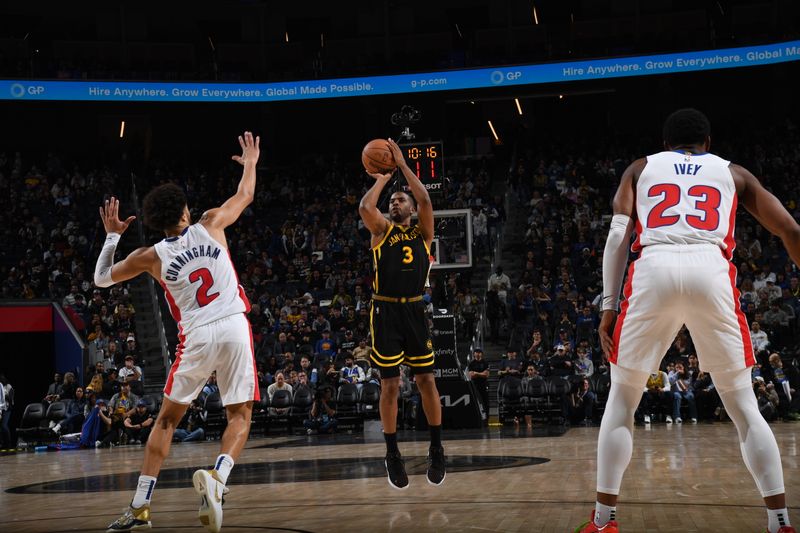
point(377, 158)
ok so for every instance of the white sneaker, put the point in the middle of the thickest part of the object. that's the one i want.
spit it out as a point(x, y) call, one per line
point(210, 491)
point(646, 419)
point(694, 421)
point(669, 419)
point(679, 420)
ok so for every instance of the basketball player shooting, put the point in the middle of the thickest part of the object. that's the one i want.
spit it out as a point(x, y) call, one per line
point(682, 202)
point(193, 266)
point(399, 331)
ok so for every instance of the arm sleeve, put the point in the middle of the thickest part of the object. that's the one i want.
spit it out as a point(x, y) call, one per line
point(102, 271)
point(615, 258)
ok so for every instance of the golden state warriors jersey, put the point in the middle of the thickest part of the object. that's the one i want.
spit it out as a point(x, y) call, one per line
point(402, 262)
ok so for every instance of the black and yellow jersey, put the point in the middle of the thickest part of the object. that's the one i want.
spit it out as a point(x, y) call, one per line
point(402, 262)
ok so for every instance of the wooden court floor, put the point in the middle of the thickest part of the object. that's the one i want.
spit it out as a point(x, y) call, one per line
point(681, 478)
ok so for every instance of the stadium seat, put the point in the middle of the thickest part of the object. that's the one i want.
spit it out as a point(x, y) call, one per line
point(152, 404)
point(535, 398)
point(282, 399)
point(557, 390)
point(370, 400)
point(347, 406)
point(34, 425)
point(215, 415)
point(600, 384)
point(259, 420)
point(510, 400)
point(302, 400)
point(56, 412)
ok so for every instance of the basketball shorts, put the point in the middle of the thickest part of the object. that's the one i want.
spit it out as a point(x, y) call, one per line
point(672, 285)
point(225, 345)
point(400, 336)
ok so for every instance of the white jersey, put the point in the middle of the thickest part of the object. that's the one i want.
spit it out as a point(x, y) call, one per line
point(199, 281)
point(685, 198)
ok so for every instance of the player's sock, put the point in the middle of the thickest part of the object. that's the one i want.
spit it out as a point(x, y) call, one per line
point(777, 519)
point(144, 491)
point(223, 467)
point(436, 436)
point(603, 514)
point(391, 442)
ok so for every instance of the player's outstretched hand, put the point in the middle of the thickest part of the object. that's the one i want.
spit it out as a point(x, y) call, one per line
point(382, 177)
point(109, 214)
point(250, 149)
point(397, 153)
point(605, 330)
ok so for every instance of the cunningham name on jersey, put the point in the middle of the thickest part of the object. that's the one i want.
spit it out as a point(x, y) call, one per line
point(185, 257)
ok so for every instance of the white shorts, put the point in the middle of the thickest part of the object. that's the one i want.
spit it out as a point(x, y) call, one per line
point(225, 345)
point(671, 285)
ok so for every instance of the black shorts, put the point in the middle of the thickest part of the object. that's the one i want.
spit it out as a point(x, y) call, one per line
point(400, 336)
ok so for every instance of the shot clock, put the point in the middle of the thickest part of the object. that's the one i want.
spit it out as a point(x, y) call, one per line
point(426, 161)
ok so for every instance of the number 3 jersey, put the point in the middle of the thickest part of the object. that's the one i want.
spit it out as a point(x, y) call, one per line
point(401, 262)
point(684, 198)
point(198, 278)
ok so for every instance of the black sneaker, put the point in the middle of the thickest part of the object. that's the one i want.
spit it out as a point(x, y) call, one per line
point(396, 470)
point(436, 466)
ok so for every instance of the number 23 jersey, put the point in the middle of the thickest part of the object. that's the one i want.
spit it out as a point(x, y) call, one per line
point(402, 262)
point(198, 278)
point(684, 198)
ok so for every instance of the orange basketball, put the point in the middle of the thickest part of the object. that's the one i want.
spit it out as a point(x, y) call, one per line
point(377, 158)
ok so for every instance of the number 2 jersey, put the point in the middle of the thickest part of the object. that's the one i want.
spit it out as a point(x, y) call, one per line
point(198, 278)
point(685, 198)
point(402, 262)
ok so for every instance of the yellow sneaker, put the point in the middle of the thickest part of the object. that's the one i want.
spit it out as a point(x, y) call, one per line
point(211, 491)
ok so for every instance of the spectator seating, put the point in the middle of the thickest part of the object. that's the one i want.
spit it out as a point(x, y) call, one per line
point(282, 399)
point(600, 384)
point(260, 416)
point(536, 398)
point(557, 390)
point(33, 427)
point(302, 400)
point(153, 403)
point(510, 399)
point(215, 415)
point(370, 400)
point(347, 414)
point(57, 411)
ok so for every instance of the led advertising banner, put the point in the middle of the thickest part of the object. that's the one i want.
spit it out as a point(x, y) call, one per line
point(592, 69)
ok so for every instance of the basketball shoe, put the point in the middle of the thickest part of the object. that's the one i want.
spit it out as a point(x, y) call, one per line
point(132, 520)
point(212, 491)
point(591, 527)
point(436, 466)
point(396, 470)
point(784, 529)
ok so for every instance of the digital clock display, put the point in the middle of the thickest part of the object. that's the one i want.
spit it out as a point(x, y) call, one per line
point(426, 161)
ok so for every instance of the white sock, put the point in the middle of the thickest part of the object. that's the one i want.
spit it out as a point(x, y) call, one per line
point(603, 514)
point(57, 428)
point(777, 519)
point(144, 491)
point(223, 466)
